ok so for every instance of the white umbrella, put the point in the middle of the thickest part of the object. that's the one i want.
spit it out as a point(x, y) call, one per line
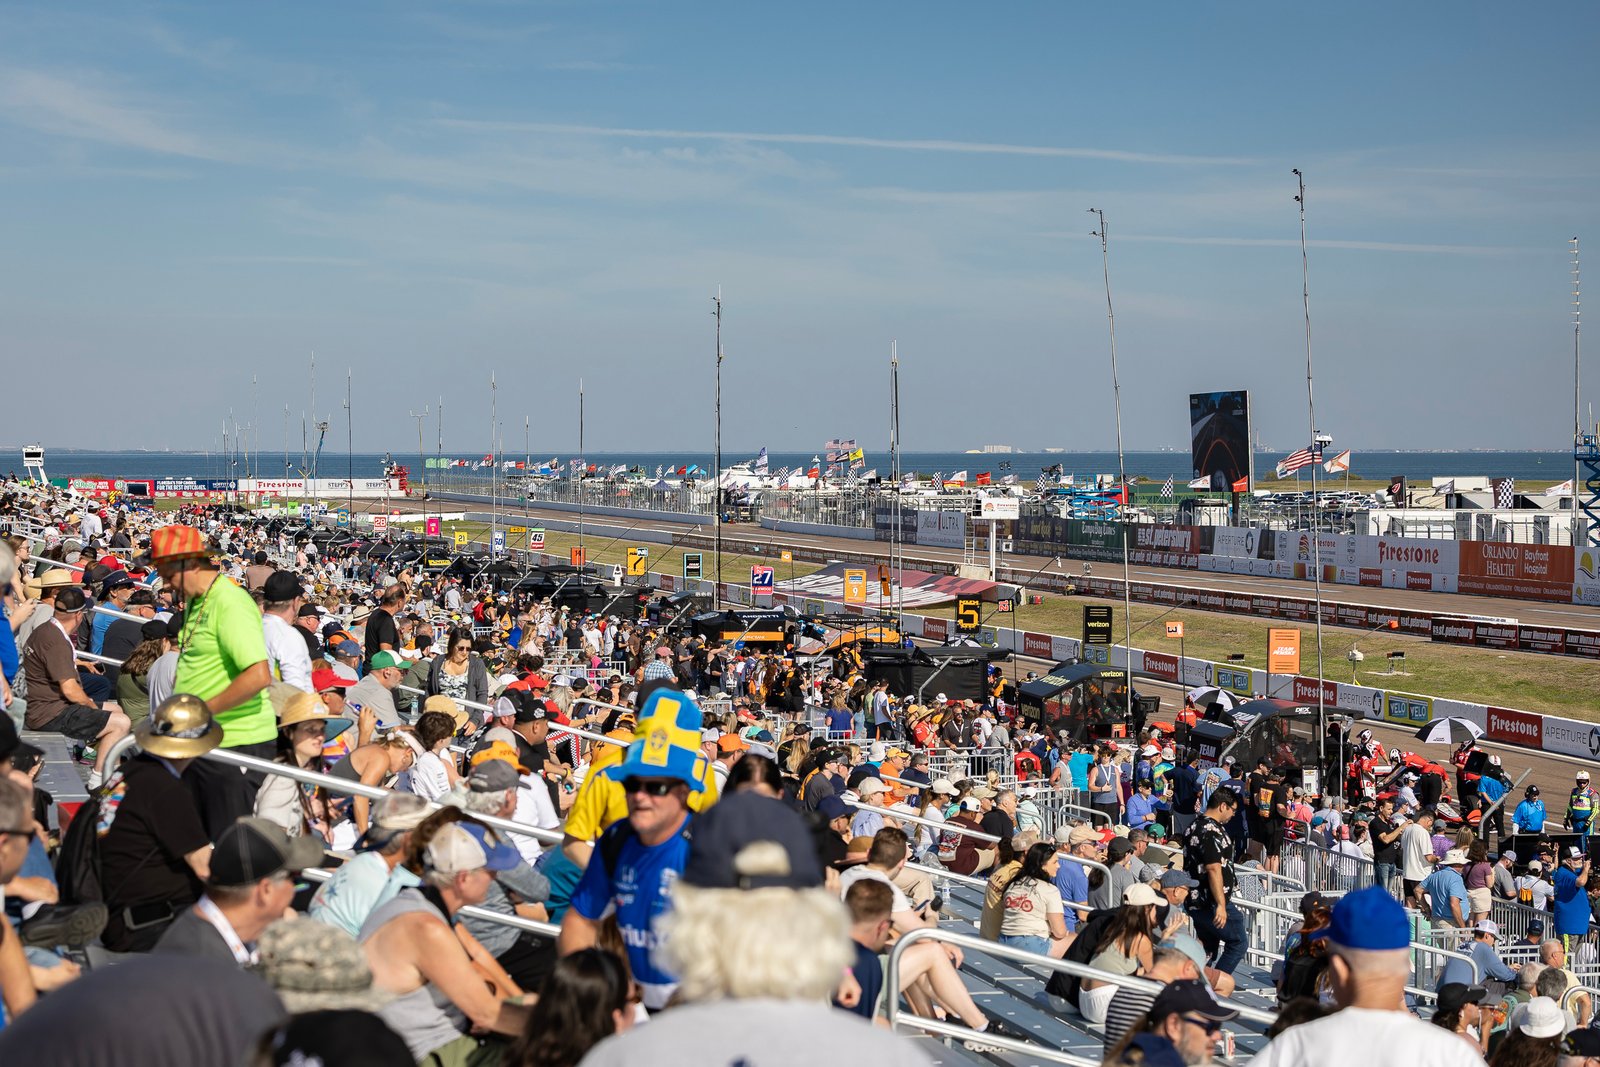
point(1450, 731)
point(1206, 695)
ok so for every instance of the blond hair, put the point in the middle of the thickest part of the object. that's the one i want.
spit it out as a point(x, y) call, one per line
point(732, 944)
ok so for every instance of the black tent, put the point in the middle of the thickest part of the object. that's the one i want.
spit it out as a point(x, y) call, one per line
point(960, 672)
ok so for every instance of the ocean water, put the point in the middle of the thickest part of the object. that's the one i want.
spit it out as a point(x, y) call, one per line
point(1415, 466)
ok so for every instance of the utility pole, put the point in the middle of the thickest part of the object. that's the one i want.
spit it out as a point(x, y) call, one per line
point(422, 465)
point(350, 440)
point(494, 467)
point(1316, 456)
point(582, 469)
point(1122, 468)
point(896, 550)
point(716, 461)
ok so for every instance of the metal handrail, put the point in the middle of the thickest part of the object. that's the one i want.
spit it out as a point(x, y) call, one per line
point(946, 827)
point(95, 658)
point(342, 786)
point(1035, 959)
point(468, 911)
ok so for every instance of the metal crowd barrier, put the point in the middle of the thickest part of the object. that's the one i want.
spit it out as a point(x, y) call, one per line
point(1267, 927)
point(1328, 870)
point(898, 1018)
point(469, 911)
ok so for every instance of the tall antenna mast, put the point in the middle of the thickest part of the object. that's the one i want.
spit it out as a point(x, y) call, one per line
point(716, 461)
point(1316, 465)
point(1577, 381)
point(583, 465)
point(350, 439)
point(1122, 468)
point(494, 467)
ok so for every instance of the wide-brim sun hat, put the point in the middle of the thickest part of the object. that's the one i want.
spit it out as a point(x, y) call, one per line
point(181, 728)
point(300, 706)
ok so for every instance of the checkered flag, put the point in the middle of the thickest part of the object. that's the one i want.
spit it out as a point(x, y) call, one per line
point(1039, 486)
point(1505, 492)
point(938, 482)
point(852, 479)
point(1166, 488)
point(783, 474)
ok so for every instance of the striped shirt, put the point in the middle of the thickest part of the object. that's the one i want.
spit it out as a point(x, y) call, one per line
point(1127, 1007)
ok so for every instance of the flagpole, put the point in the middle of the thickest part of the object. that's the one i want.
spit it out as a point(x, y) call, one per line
point(494, 468)
point(895, 551)
point(582, 469)
point(1122, 469)
point(1316, 447)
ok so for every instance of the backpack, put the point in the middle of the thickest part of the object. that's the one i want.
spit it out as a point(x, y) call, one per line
point(78, 858)
point(1082, 950)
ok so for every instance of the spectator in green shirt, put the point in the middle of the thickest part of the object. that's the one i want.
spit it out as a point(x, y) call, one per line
point(222, 658)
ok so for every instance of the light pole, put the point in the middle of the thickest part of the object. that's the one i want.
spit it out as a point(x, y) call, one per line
point(1122, 469)
point(716, 460)
point(1317, 440)
point(422, 465)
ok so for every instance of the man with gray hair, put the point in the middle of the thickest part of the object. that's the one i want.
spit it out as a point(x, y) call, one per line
point(1369, 964)
point(491, 789)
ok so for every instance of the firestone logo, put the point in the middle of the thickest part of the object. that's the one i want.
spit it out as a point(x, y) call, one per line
point(1517, 726)
point(1391, 553)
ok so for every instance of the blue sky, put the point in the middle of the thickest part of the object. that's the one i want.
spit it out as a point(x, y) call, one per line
point(195, 193)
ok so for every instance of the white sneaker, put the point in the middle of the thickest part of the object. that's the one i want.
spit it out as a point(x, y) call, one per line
point(94, 780)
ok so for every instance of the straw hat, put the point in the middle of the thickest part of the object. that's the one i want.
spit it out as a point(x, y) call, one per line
point(181, 728)
point(55, 578)
point(294, 706)
point(440, 702)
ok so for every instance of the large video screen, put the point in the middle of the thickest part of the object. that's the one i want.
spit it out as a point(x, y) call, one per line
point(1219, 439)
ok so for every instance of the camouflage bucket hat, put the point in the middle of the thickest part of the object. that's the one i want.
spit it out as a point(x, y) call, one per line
point(316, 967)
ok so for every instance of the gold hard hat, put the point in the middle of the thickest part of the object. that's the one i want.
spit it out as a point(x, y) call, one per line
point(181, 728)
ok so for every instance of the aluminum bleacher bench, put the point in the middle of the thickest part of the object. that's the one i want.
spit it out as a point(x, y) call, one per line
point(60, 775)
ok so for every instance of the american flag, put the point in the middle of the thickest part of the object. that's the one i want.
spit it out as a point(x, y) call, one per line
point(1166, 488)
point(1305, 457)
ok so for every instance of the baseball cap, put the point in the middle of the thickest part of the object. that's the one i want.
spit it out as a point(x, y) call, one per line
point(1572, 852)
point(338, 676)
point(1190, 996)
point(1119, 848)
point(398, 812)
point(831, 807)
point(1370, 919)
point(1138, 895)
point(383, 659)
point(871, 786)
point(347, 648)
point(970, 804)
point(493, 776)
point(308, 610)
point(1509, 855)
point(1584, 1042)
point(1176, 879)
point(467, 846)
point(499, 751)
point(1074, 836)
point(748, 841)
point(1311, 901)
point(281, 587)
point(731, 743)
point(1454, 995)
point(252, 849)
point(1535, 926)
point(944, 787)
point(1487, 926)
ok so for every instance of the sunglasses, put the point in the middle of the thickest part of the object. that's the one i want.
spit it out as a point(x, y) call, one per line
point(654, 787)
point(30, 833)
point(1210, 1026)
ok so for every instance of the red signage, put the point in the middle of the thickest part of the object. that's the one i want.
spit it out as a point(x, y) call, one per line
point(1419, 580)
point(1497, 635)
point(1540, 639)
point(1305, 691)
point(1369, 576)
point(1501, 568)
point(1585, 643)
point(669, 582)
point(1515, 727)
point(936, 629)
point(1161, 665)
point(1036, 645)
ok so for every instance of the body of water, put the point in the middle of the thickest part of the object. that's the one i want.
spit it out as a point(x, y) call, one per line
point(1415, 466)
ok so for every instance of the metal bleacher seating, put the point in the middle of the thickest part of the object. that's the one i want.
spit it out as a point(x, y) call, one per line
point(1014, 994)
point(60, 775)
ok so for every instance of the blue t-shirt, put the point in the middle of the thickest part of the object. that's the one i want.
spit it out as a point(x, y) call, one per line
point(97, 634)
point(868, 974)
point(1073, 881)
point(640, 889)
point(10, 658)
point(1078, 765)
point(1491, 790)
point(1571, 905)
point(838, 720)
point(1141, 811)
point(1440, 886)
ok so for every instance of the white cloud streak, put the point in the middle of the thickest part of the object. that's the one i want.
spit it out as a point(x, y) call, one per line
point(57, 105)
point(1358, 246)
point(987, 148)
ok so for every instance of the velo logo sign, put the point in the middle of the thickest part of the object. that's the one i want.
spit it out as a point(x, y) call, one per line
point(762, 582)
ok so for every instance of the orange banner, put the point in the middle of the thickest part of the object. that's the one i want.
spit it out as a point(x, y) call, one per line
point(1283, 651)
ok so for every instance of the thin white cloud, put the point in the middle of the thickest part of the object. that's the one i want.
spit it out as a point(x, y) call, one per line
point(1359, 246)
point(70, 108)
point(988, 148)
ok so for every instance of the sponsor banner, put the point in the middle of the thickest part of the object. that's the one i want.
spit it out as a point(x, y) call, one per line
point(1497, 635)
point(96, 485)
point(1586, 577)
point(1360, 699)
point(1515, 727)
point(1063, 647)
point(669, 582)
point(1161, 665)
point(1398, 555)
point(1585, 643)
point(1233, 679)
point(936, 629)
point(1531, 572)
point(1453, 631)
point(1571, 738)
point(1542, 639)
point(1419, 580)
point(1407, 708)
point(941, 529)
point(1036, 645)
point(1306, 690)
point(1234, 541)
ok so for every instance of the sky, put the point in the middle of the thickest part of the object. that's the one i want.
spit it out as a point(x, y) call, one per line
point(426, 196)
